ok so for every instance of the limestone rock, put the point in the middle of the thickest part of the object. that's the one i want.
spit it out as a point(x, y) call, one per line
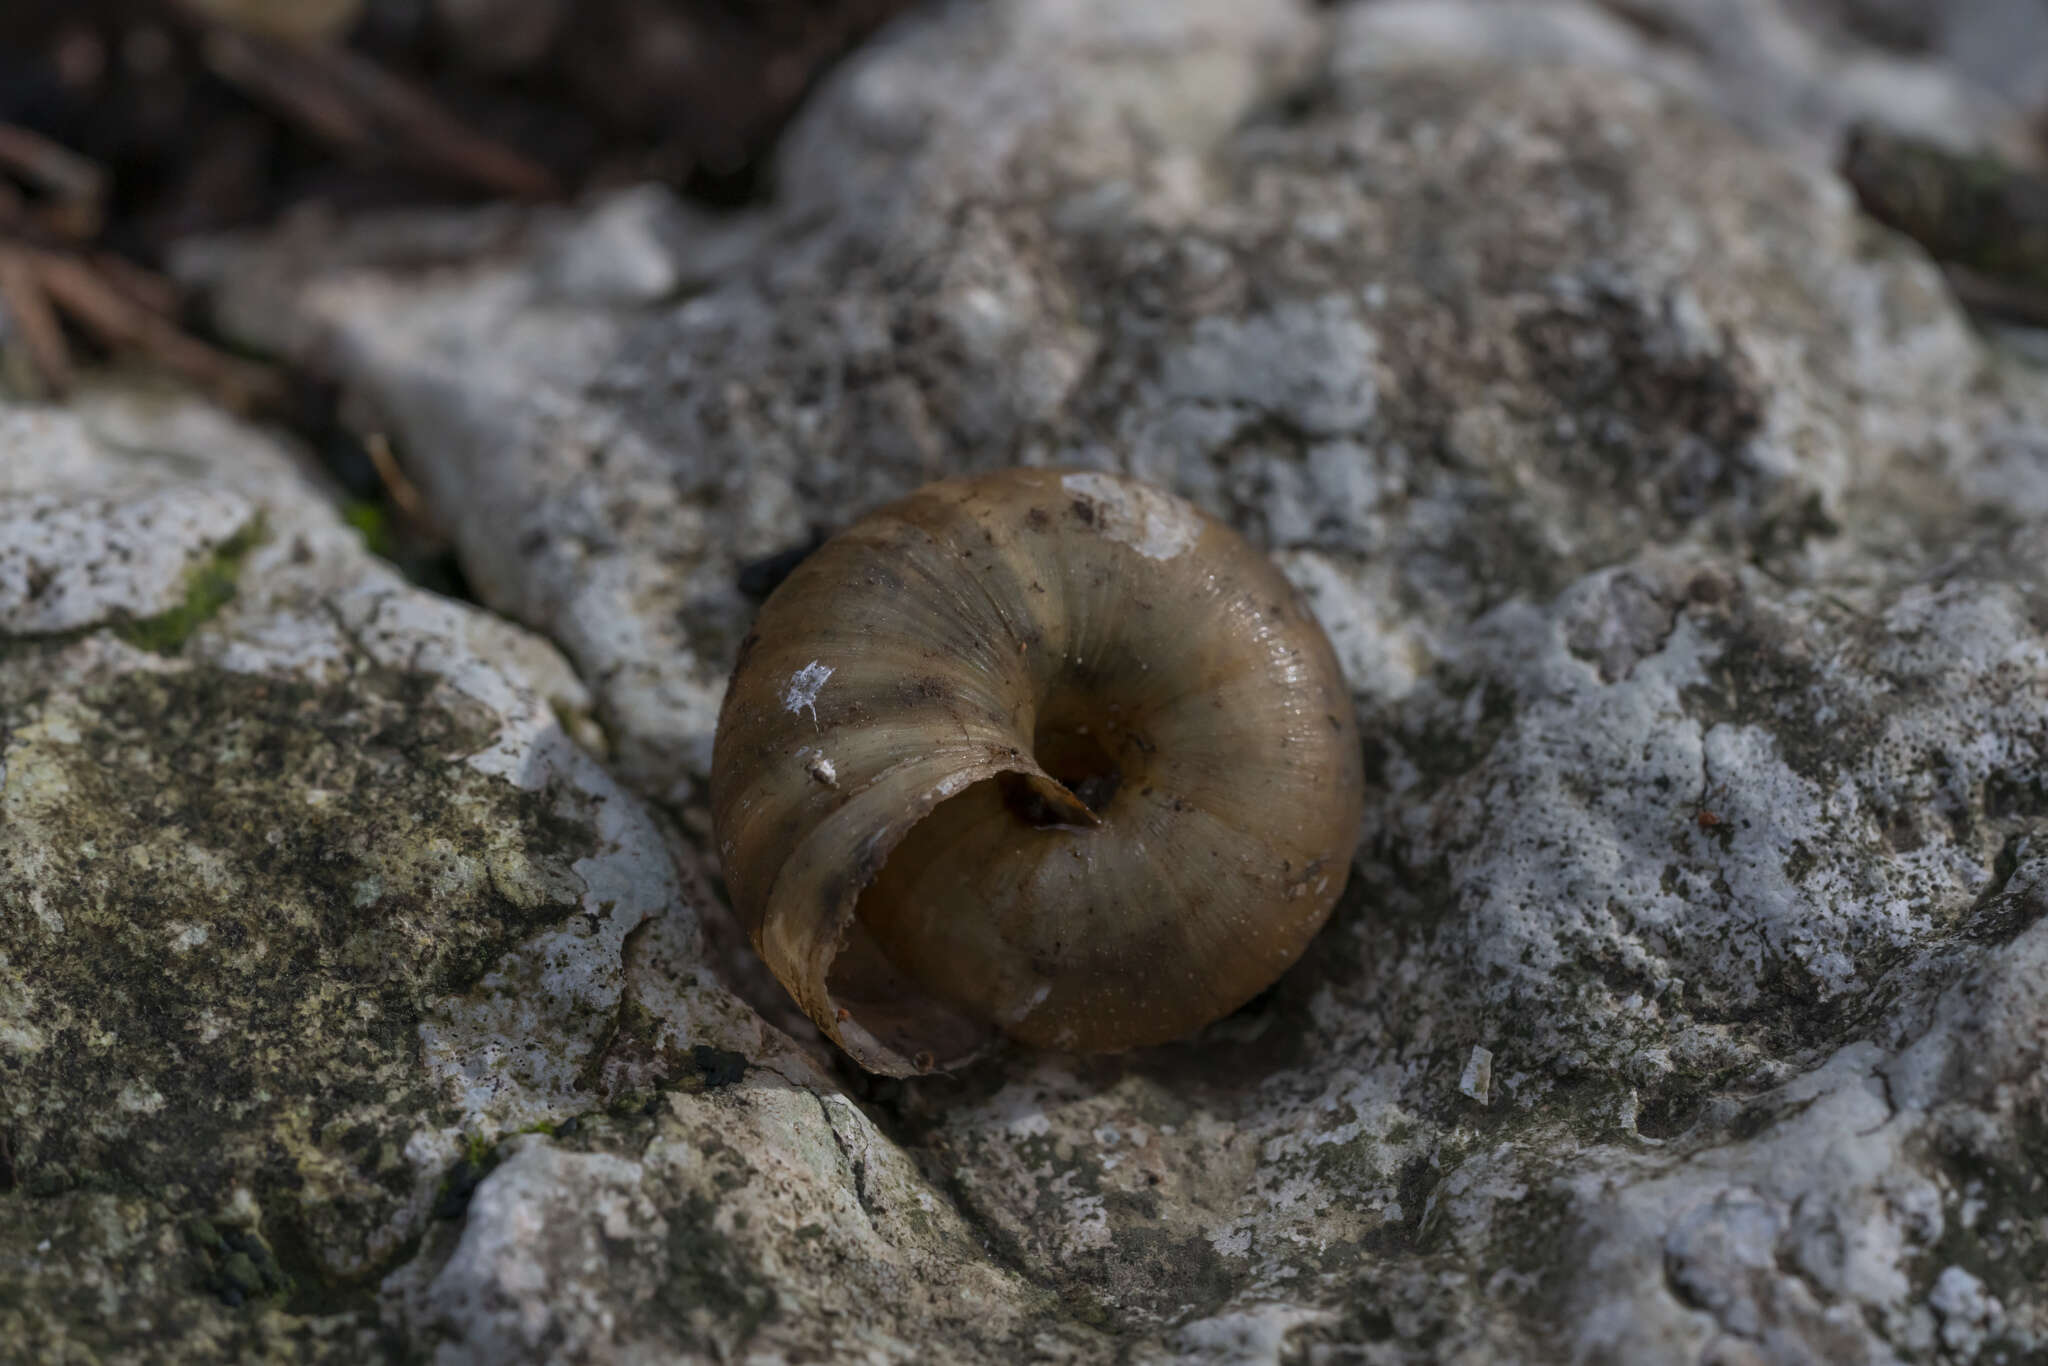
point(1791, 72)
point(1682, 544)
point(304, 895)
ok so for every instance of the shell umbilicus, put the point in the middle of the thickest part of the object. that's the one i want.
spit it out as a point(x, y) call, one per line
point(1040, 753)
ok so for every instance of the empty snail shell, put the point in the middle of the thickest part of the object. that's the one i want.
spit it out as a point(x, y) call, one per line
point(1040, 753)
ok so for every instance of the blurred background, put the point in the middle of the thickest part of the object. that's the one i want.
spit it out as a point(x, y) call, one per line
point(129, 126)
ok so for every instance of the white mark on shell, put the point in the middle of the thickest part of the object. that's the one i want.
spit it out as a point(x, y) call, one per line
point(818, 766)
point(1156, 525)
point(804, 687)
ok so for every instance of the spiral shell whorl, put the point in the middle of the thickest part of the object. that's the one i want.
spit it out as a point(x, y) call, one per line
point(1051, 754)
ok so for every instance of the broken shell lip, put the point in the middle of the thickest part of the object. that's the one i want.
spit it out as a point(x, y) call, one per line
point(778, 937)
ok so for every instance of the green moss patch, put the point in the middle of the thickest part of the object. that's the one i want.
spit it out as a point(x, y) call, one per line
point(209, 586)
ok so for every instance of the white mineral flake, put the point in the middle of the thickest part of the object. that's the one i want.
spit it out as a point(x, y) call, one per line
point(140, 1098)
point(20, 1038)
point(1630, 1107)
point(1969, 1313)
point(1477, 1079)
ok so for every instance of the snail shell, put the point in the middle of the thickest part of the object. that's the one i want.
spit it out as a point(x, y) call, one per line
point(1046, 754)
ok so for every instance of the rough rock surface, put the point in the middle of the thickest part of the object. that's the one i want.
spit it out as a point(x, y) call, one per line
point(306, 900)
point(1683, 547)
point(1792, 72)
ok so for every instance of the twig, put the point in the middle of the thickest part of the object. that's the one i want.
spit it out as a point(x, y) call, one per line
point(144, 287)
point(45, 268)
point(275, 78)
point(28, 307)
point(403, 491)
point(81, 292)
point(350, 102)
point(76, 187)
